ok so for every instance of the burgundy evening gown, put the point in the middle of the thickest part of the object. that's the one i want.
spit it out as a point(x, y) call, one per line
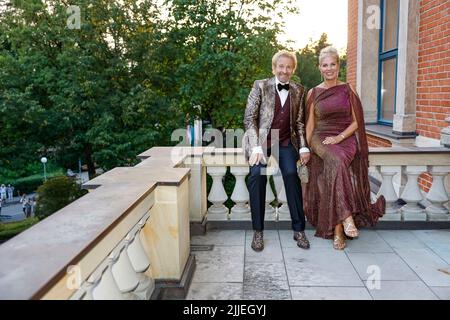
point(338, 184)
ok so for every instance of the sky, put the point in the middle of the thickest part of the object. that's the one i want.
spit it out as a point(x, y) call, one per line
point(314, 18)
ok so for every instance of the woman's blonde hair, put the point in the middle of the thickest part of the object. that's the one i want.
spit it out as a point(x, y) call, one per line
point(328, 51)
point(284, 53)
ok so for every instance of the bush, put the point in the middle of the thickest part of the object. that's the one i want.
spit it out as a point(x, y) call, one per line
point(9, 230)
point(55, 194)
point(31, 183)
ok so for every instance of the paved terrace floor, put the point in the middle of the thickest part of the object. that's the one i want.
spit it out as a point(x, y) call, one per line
point(412, 264)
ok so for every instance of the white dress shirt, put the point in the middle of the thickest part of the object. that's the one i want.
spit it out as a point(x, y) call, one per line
point(283, 94)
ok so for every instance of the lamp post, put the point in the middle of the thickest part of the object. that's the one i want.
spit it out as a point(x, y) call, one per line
point(44, 161)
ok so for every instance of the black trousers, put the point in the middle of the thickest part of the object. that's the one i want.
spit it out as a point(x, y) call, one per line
point(287, 160)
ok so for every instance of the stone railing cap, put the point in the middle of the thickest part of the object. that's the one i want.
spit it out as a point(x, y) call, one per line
point(38, 257)
point(142, 174)
point(411, 150)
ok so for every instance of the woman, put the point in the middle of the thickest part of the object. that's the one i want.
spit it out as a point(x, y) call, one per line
point(337, 197)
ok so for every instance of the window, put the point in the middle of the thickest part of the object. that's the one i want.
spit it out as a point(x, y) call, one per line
point(388, 52)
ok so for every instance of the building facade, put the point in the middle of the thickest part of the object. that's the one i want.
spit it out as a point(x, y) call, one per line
point(399, 61)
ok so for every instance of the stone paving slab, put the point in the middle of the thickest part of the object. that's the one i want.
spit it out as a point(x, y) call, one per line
point(389, 265)
point(319, 267)
point(401, 239)
point(368, 241)
point(442, 250)
point(442, 292)
point(266, 281)
point(330, 293)
point(413, 265)
point(402, 290)
point(215, 291)
point(222, 264)
point(272, 248)
point(426, 264)
point(287, 241)
point(220, 238)
point(433, 236)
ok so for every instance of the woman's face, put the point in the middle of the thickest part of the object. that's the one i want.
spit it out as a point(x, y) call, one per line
point(329, 68)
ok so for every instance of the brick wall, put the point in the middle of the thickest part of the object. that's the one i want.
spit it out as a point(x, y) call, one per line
point(375, 142)
point(352, 41)
point(425, 181)
point(433, 82)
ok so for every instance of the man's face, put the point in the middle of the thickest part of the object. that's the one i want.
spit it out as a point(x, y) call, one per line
point(284, 69)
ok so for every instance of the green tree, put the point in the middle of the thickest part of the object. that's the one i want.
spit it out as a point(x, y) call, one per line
point(81, 92)
point(55, 194)
point(122, 82)
point(224, 46)
point(308, 62)
point(343, 68)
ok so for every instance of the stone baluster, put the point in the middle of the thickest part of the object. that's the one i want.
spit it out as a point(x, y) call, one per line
point(217, 195)
point(270, 212)
point(241, 210)
point(84, 293)
point(140, 261)
point(123, 272)
point(411, 211)
point(388, 191)
point(438, 195)
point(283, 211)
point(104, 287)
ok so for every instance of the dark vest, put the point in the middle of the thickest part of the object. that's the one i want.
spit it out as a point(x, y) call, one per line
point(281, 121)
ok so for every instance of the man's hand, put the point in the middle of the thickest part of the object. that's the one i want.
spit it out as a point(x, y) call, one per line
point(304, 157)
point(257, 158)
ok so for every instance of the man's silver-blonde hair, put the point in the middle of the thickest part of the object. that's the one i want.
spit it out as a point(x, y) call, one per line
point(284, 53)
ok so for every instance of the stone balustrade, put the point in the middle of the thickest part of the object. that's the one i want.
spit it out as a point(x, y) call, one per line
point(385, 163)
point(129, 237)
point(412, 162)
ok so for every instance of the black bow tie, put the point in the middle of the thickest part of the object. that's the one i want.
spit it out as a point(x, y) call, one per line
point(283, 86)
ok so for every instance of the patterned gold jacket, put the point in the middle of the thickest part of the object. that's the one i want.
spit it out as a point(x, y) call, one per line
point(260, 110)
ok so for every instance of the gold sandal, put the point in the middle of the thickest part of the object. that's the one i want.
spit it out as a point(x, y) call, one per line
point(339, 242)
point(349, 228)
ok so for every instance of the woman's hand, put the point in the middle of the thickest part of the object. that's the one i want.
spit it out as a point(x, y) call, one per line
point(332, 140)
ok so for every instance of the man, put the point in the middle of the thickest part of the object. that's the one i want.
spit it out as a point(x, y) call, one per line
point(28, 208)
point(275, 107)
point(10, 191)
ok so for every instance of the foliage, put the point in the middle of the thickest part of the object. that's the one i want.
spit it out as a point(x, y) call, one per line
point(32, 175)
point(223, 47)
point(80, 92)
point(55, 194)
point(9, 230)
point(308, 59)
point(31, 183)
point(133, 72)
